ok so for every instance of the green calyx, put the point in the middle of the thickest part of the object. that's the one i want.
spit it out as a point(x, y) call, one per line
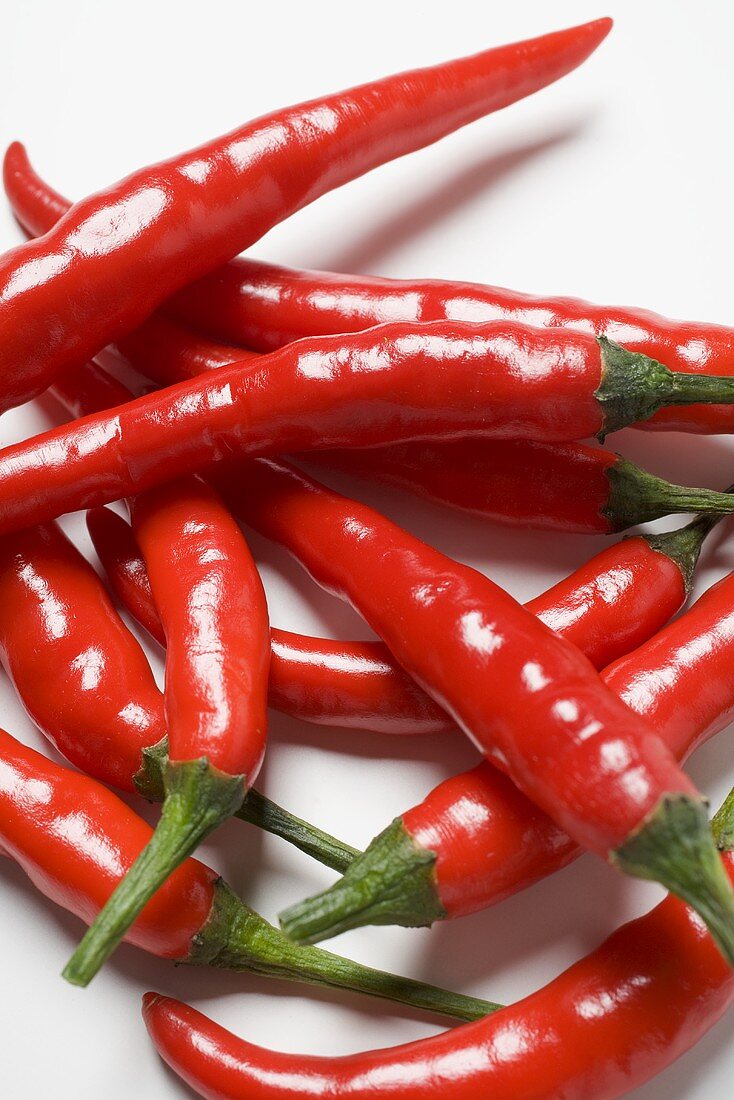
point(392, 882)
point(237, 938)
point(722, 825)
point(198, 798)
point(636, 496)
point(675, 846)
point(683, 546)
point(257, 810)
point(633, 387)
point(149, 779)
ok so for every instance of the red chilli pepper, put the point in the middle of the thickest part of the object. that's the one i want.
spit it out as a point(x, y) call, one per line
point(212, 606)
point(209, 595)
point(385, 385)
point(551, 486)
point(79, 672)
point(117, 255)
point(160, 348)
point(264, 306)
point(75, 840)
point(475, 839)
point(85, 682)
point(529, 700)
point(346, 684)
point(606, 1025)
point(607, 607)
point(566, 487)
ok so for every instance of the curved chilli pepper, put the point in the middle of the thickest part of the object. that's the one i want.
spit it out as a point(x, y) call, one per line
point(159, 348)
point(607, 607)
point(212, 606)
point(475, 839)
point(264, 306)
point(85, 682)
point(556, 487)
point(75, 840)
point(79, 672)
point(334, 683)
point(386, 385)
point(567, 487)
point(606, 1025)
point(530, 701)
point(117, 255)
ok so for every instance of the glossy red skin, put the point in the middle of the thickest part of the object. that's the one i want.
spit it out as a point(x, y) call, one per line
point(683, 677)
point(207, 591)
point(610, 605)
point(118, 254)
point(211, 602)
point(265, 306)
point(166, 353)
point(529, 699)
point(347, 684)
point(615, 601)
point(606, 1025)
point(490, 841)
point(75, 840)
point(78, 671)
point(159, 348)
point(381, 386)
point(554, 487)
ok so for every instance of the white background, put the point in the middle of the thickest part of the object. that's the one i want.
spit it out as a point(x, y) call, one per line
point(615, 185)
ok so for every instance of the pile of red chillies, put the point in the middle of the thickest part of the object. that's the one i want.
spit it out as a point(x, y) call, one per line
point(191, 385)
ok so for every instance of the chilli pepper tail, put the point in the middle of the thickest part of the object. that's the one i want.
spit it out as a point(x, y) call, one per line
point(256, 810)
point(675, 846)
point(634, 386)
point(392, 882)
point(198, 798)
point(237, 938)
point(636, 496)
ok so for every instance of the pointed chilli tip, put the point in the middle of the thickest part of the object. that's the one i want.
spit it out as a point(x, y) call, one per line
point(16, 151)
point(604, 25)
point(150, 1000)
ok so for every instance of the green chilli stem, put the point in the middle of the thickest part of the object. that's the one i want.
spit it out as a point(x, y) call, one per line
point(633, 387)
point(198, 798)
point(257, 810)
point(683, 546)
point(237, 938)
point(321, 846)
point(675, 846)
point(636, 496)
point(392, 882)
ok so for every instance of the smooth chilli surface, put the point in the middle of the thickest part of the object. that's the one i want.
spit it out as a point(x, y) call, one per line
point(118, 254)
point(577, 751)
